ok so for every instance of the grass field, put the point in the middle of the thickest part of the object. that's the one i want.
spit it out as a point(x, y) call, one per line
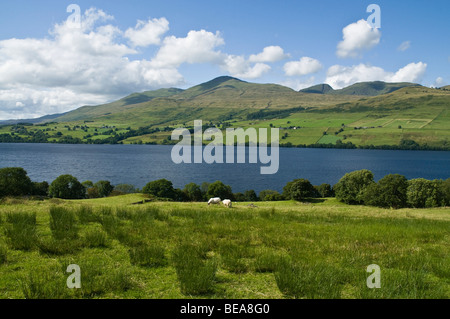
point(189, 250)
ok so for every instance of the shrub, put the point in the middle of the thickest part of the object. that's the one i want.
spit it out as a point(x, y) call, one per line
point(350, 188)
point(67, 187)
point(14, 182)
point(423, 193)
point(22, 231)
point(390, 191)
point(445, 189)
point(250, 196)
point(148, 256)
point(125, 189)
point(195, 274)
point(63, 223)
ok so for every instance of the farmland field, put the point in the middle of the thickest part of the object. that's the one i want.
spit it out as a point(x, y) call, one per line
point(165, 250)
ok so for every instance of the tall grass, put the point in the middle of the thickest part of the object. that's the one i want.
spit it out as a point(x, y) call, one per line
point(86, 215)
point(195, 274)
point(148, 256)
point(63, 223)
point(97, 238)
point(21, 231)
point(3, 254)
point(43, 285)
point(310, 281)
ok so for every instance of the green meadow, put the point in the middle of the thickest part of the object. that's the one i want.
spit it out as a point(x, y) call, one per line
point(129, 249)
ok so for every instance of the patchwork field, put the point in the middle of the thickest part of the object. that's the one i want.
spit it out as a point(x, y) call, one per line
point(189, 250)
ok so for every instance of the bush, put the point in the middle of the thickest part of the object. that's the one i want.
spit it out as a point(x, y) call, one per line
point(299, 189)
point(250, 196)
point(63, 223)
point(14, 182)
point(161, 188)
point(423, 193)
point(195, 274)
point(148, 256)
point(445, 189)
point(67, 187)
point(350, 188)
point(22, 231)
point(390, 191)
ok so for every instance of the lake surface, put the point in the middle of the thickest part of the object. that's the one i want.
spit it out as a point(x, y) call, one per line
point(139, 164)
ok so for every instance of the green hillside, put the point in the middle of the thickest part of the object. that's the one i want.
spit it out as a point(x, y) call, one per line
point(410, 117)
point(366, 88)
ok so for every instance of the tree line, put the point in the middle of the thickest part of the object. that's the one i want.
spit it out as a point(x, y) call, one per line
point(355, 188)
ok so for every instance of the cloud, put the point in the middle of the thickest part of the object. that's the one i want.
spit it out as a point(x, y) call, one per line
point(269, 54)
point(357, 38)
point(196, 47)
point(439, 82)
point(96, 62)
point(238, 66)
point(404, 46)
point(298, 85)
point(305, 66)
point(147, 33)
point(341, 76)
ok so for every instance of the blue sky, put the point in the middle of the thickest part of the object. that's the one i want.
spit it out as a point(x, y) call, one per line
point(51, 68)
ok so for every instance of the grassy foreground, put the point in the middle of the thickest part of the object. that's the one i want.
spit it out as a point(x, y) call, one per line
point(189, 250)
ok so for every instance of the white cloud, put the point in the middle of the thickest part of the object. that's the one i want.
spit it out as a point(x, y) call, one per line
point(298, 85)
point(196, 47)
point(238, 66)
point(404, 46)
point(357, 38)
point(269, 54)
point(439, 82)
point(305, 66)
point(147, 33)
point(341, 76)
point(93, 63)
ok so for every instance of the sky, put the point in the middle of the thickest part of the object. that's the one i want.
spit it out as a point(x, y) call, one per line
point(54, 61)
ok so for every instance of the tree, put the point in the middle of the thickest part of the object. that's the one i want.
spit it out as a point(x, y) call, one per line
point(299, 189)
point(270, 196)
point(193, 192)
point(351, 187)
point(104, 188)
point(67, 187)
point(14, 182)
point(40, 189)
point(445, 189)
point(390, 191)
point(239, 197)
point(125, 189)
point(219, 189)
point(324, 190)
point(161, 188)
point(250, 196)
point(423, 193)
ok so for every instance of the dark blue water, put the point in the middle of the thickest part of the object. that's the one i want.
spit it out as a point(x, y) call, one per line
point(139, 164)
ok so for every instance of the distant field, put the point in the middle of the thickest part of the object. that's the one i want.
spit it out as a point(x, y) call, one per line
point(274, 250)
